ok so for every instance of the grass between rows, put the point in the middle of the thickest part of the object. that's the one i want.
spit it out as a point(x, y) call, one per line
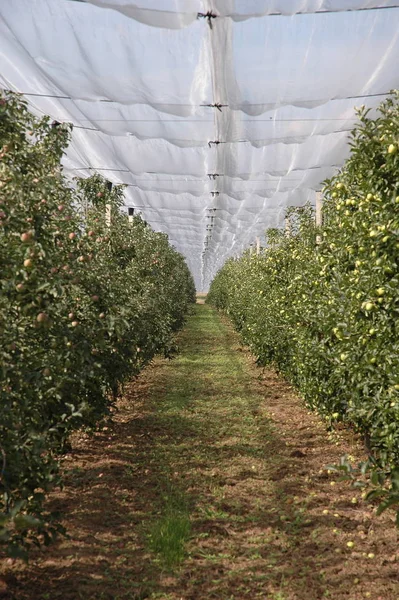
point(209, 410)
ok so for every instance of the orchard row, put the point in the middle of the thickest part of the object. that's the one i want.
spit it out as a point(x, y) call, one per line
point(86, 301)
point(322, 304)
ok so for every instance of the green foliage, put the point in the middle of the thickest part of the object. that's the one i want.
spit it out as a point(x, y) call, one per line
point(326, 314)
point(83, 306)
point(382, 485)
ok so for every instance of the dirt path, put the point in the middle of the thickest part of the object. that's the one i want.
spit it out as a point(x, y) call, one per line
point(209, 484)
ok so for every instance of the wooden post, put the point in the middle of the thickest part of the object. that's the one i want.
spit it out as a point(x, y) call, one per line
point(108, 207)
point(319, 204)
point(257, 246)
point(319, 215)
point(108, 215)
point(251, 249)
point(287, 227)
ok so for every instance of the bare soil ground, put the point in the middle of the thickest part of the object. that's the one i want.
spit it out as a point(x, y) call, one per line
point(209, 438)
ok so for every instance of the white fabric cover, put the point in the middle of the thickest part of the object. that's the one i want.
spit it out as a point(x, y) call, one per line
point(137, 79)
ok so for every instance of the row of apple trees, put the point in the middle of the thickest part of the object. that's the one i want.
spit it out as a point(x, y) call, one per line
point(322, 304)
point(84, 305)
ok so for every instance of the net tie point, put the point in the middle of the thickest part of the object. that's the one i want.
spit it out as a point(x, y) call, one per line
point(208, 16)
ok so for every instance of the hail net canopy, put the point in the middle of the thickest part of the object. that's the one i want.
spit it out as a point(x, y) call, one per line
point(217, 114)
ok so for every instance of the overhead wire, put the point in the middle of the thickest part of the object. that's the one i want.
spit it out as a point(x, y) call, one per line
point(209, 14)
point(246, 104)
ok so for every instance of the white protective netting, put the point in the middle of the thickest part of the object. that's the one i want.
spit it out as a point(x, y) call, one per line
point(151, 85)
